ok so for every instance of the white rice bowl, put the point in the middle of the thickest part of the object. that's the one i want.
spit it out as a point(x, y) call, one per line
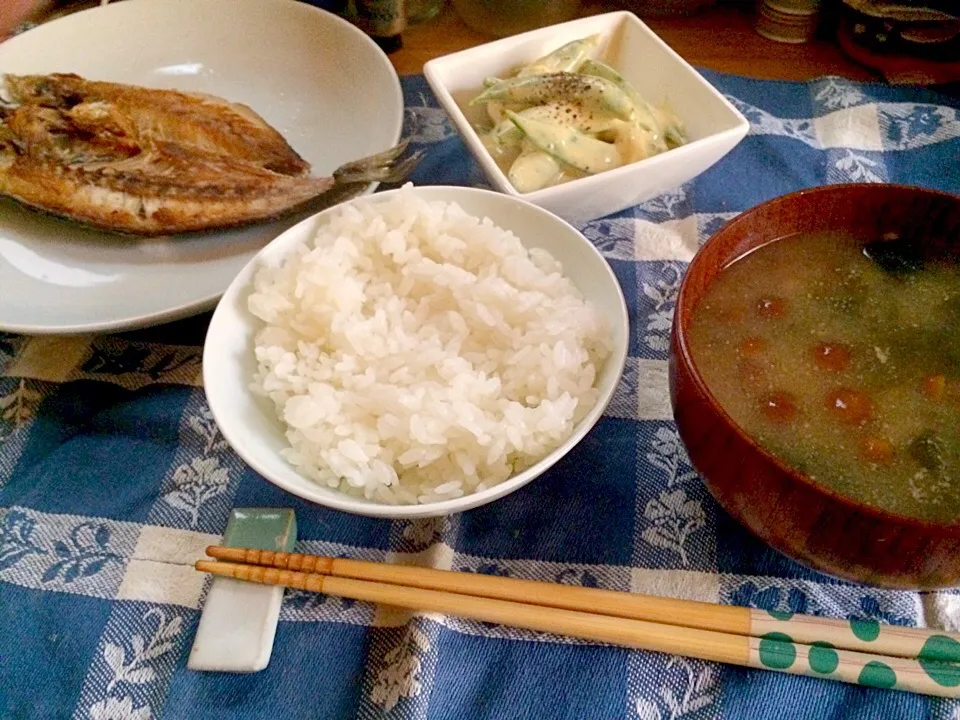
point(414, 353)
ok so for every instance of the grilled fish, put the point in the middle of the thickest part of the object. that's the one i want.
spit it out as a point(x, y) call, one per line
point(154, 162)
point(193, 120)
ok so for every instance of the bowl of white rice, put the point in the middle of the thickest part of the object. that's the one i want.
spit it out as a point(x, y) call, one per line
point(417, 352)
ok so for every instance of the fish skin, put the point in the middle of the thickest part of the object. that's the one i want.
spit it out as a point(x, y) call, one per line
point(207, 123)
point(92, 162)
point(158, 192)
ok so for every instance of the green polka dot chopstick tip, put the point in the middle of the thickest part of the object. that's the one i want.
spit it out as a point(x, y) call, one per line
point(778, 651)
point(860, 651)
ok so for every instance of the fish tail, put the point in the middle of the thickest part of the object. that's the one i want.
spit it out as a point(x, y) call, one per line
point(388, 167)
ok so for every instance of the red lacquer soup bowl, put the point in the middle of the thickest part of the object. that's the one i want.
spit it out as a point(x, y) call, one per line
point(810, 523)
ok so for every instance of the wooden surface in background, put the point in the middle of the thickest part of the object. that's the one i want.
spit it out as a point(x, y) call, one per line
point(720, 39)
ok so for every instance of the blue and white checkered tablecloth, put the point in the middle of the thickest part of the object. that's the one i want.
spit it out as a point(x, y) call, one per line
point(113, 478)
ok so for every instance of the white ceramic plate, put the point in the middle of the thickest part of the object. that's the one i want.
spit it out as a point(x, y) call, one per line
point(714, 126)
point(250, 424)
point(320, 81)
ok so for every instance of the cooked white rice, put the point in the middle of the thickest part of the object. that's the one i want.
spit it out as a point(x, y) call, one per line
point(415, 353)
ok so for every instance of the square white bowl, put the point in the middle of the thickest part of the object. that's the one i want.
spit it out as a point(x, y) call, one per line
point(713, 125)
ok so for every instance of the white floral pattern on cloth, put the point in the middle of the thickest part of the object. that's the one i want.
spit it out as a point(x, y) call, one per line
point(64, 553)
point(195, 483)
point(201, 484)
point(662, 291)
point(16, 538)
point(835, 93)
point(667, 206)
point(206, 427)
point(623, 404)
point(425, 531)
point(673, 516)
point(19, 400)
point(710, 223)
point(765, 123)
point(134, 667)
point(690, 692)
point(905, 126)
point(612, 236)
point(778, 597)
point(668, 454)
point(85, 552)
point(901, 126)
point(400, 664)
point(848, 601)
point(850, 166)
point(119, 709)
point(130, 676)
point(400, 675)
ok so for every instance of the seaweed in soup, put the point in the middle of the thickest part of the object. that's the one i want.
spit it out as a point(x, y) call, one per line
point(897, 256)
point(929, 450)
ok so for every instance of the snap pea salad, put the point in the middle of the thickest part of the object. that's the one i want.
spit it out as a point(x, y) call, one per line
point(567, 115)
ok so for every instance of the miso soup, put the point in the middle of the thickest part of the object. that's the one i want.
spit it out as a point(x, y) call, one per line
point(844, 362)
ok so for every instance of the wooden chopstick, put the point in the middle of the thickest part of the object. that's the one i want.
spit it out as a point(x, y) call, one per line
point(861, 635)
point(779, 653)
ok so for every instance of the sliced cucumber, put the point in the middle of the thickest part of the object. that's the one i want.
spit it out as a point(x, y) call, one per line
point(568, 145)
point(586, 91)
point(534, 170)
point(567, 58)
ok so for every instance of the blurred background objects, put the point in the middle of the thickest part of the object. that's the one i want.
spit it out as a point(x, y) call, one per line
point(908, 41)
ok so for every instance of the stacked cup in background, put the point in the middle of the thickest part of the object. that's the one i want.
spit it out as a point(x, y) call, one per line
point(788, 21)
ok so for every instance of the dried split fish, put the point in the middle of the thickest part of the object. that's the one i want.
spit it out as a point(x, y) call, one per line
point(152, 162)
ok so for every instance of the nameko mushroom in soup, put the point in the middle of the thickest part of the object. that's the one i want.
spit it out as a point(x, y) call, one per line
point(843, 360)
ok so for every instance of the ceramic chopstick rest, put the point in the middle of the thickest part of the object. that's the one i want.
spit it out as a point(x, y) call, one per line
point(239, 620)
